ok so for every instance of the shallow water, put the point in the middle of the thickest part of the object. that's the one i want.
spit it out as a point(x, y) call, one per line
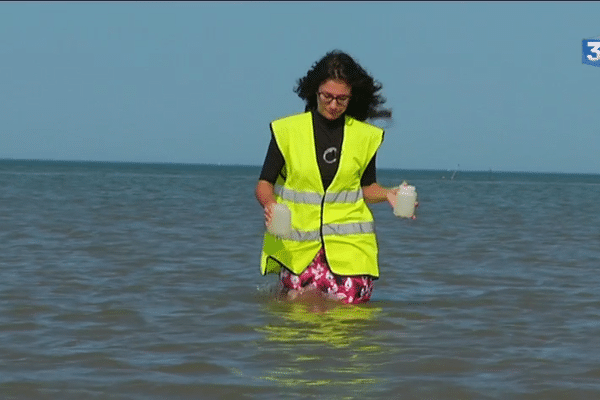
point(141, 281)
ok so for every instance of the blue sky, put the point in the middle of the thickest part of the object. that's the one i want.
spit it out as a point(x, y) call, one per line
point(496, 85)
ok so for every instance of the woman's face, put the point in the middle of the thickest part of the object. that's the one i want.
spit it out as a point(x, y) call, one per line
point(333, 97)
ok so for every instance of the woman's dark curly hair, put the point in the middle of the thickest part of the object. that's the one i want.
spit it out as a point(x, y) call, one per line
point(336, 64)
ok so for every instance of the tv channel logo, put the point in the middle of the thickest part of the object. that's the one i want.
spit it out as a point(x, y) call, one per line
point(591, 51)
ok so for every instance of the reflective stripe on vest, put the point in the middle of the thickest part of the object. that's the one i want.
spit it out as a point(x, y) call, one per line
point(348, 196)
point(332, 229)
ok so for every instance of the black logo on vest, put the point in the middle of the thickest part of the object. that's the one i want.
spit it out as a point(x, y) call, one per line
point(330, 155)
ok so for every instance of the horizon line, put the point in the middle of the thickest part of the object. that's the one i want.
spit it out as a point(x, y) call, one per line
point(490, 170)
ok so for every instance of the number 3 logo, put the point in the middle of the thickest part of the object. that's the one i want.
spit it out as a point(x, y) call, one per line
point(595, 49)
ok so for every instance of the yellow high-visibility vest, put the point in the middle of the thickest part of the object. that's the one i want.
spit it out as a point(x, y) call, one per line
point(337, 219)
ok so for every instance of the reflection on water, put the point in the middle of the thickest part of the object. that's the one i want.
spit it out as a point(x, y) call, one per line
point(338, 325)
point(322, 344)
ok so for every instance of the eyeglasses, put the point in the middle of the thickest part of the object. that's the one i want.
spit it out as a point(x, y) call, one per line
point(328, 98)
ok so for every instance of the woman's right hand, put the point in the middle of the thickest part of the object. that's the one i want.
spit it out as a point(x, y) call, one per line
point(266, 197)
point(269, 212)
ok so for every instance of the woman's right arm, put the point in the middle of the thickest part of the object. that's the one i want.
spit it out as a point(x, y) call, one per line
point(264, 188)
point(264, 193)
point(266, 198)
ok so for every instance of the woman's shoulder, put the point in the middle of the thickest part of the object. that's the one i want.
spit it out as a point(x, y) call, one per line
point(293, 118)
point(363, 125)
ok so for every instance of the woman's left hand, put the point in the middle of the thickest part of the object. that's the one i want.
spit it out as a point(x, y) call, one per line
point(416, 205)
point(392, 196)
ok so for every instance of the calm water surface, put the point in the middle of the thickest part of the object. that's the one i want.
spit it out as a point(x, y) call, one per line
point(141, 281)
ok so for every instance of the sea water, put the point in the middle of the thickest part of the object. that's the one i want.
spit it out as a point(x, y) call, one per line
point(141, 281)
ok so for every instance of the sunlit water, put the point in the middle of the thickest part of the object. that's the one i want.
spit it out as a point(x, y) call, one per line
point(125, 281)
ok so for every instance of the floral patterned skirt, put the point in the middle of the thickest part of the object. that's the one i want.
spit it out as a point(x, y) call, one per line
point(318, 275)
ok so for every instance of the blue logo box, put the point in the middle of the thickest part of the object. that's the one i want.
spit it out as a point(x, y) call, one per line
point(591, 51)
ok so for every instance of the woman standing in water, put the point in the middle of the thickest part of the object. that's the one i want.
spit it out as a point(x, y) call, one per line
point(321, 165)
